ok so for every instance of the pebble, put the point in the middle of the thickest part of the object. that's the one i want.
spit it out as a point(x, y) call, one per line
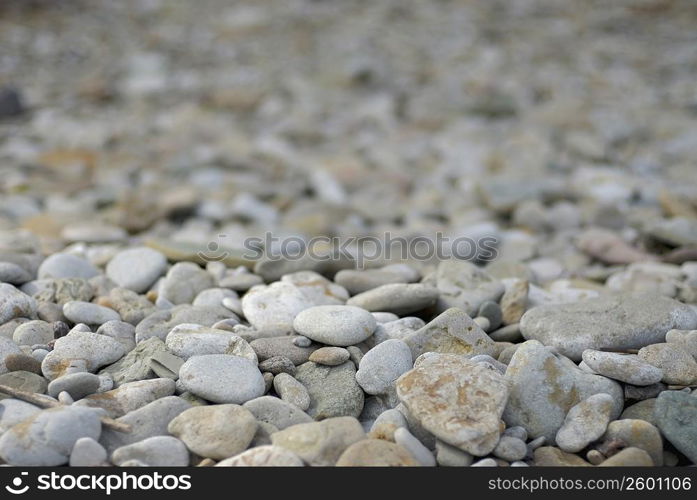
point(376, 453)
point(318, 289)
point(22, 362)
point(301, 341)
point(320, 443)
point(678, 367)
point(386, 424)
point(357, 281)
point(33, 332)
point(15, 304)
point(335, 325)
point(514, 302)
point(47, 437)
point(550, 456)
point(291, 391)
point(189, 340)
point(24, 381)
point(271, 309)
point(157, 451)
point(629, 457)
point(451, 332)
point(136, 268)
point(625, 368)
point(463, 285)
point(621, 321)
point(333, 390)
point(485, 462)
point(129, 396)
point(88, 313)
point(270, 347)
point(510, 448)
point(63, 265)
point(491, 311)
point(92, 349)
point(585, 423)
point(380, 367)
point(544, 387)
point(87, 452)
point(276, 412)
point(122, 332)
point(432, 392)
point(136, 365)
point(397, 298)
point(263, 456)
point(217, 431)
point(643, 410)
point(278, 364)
point(406, 440)
point(160, 323)
point(132, 308)
point(209, 376)
point(78, 385)
point(450, 456)
point(148, 421)
point(675, 415)
point(330, 356)
point(183, 282)
point(638, 434)
point(384, 317)
point(685, 339)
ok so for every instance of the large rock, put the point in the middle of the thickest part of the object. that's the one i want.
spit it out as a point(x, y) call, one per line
point(460, 402)
point(622, 321)
point(544, 387)
point(675, 414)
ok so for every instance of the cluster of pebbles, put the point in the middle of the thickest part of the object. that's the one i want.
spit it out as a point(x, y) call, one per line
point(136, 331)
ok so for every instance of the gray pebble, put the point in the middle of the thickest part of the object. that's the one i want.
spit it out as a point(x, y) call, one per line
point(209, 377)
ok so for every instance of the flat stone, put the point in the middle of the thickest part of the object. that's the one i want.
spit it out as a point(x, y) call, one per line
point(320, 443)
point(434, 391)
point(376, 453)
point(625, 368)
point(24, 381)
point(183, 282)
point(93, 349)
point(88, 313)
point(383, 365)
point(397, 298)
point(333, 390)
point(637, 434)
point(78, 385)
point(330, 356)
point(135, 365)
point(263, 456)
point(47, 437)
point(335, 325)
point(510, 448)
point(189, 340)
point(282, 346)
point(148, 421)
point(291, 391)
point(544, 387)
point(63, 265)
point(677, 365)
point(33, 332)
point(129, 396)
point(463, 285)
point(157, 451)
point(629, 457)
point(15, 304)
point(216, 431)
point(87, 452)
point(166, 365)
point(585, 422)
point(451, 332)
point(22, 362)
point(136, 268)
point(222, 378)
point(621, 321)
point(675, 415)
point(271, 309)
point(276, 412)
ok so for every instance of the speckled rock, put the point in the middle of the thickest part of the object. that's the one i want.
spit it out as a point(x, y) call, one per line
point(376, 453)
point(93, 349)
point(383, 365)
point(638, 434)
point(625, 368)
point(136, 268)
point(677, 365)
point(271, 309)
point(189, 340)
point(157, 451)
point(222, 378)
point(263, 456)
point(15, 304)
point(276, 412)
point(585, 422)
point(675, 415)
point(333, 390)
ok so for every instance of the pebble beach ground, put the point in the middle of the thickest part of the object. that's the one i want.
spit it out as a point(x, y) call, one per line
point(145, 144)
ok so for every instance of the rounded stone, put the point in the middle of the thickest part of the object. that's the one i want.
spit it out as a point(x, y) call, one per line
point(335, 325)
point(383, 365)
point(263, 456)
point(136, 268)
point(330, 356)
point(63, 265)
point(221, 378)
point(78, 385)
point(157, 451)
point(585, 422)
point(376, 453)
point(88, 313)
point(625, 368)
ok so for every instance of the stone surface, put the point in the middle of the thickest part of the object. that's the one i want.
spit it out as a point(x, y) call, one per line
point(263, 456)
point(217, 431)
point(622, 321)
point(333, 390)
point(276, 412)
point(129, 396)
point(398, 298)
point(157, 451)
point(136, 268)
point(221, 378)
point(271, 309)
point(461, 403)
point(187, 340)
point(625, 368)
point(677, 366)
point(382, 366)
point(674, 415)
point(15, 304)
point(89, 348)
point(376, 453)
point(544, 387)
point(585, 422)
point(637, 434)
point(87, 453)
point(291, 391)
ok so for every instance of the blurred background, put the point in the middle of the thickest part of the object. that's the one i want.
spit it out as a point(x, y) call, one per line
point(177, 121)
